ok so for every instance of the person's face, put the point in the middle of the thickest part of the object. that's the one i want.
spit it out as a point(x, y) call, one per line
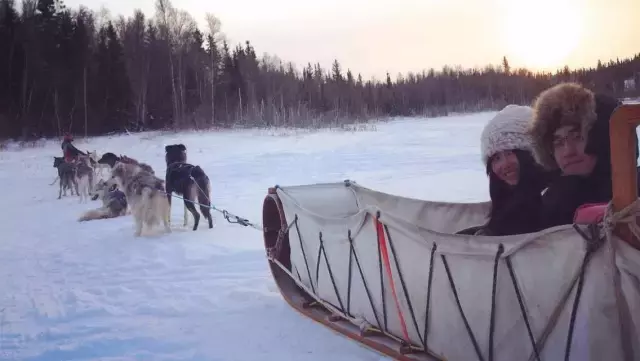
point(568, 151)
point(505, 166)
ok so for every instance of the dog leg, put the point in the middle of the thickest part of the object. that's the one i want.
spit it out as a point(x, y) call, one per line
point(194, 213)
point(206, 212)
point(60, 191)
point(169, 191)
point(138, 227)
point(166, 220)
point(186, 216)
point(75, 184)
point(193, 196)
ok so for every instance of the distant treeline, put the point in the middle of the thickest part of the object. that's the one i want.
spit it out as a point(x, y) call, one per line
point(77, 71)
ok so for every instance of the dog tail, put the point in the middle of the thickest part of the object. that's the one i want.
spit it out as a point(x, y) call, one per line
point(93, 214)
point(204, 187)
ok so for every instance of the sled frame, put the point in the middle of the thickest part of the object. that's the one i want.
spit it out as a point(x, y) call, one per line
point(303, 300)
point(623, 123)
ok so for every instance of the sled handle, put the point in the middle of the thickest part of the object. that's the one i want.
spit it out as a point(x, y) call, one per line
point(623, 123)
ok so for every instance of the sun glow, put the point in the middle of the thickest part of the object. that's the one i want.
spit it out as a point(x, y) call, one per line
point(542, 34)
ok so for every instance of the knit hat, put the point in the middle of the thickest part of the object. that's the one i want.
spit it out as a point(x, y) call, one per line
point(506, 131)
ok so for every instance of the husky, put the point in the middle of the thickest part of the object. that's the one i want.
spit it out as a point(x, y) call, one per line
point(98, 167)
point(189, 181)
point(111, 160)
point(67, 175)
point(114, 203)
point(84, 175)
point(145, 195)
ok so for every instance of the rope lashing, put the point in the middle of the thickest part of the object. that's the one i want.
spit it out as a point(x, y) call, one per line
point(627, 215)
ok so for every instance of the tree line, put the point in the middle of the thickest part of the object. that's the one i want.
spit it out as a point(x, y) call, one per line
point(74, 70)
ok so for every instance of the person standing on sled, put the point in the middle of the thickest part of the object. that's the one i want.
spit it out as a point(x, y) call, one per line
point(69, 151)
point(570, 131)
point(515, 180)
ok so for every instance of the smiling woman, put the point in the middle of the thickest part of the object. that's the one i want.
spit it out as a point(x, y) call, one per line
point(542, 34)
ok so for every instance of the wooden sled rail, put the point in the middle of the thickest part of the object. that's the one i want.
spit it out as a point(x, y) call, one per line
point(623, 123)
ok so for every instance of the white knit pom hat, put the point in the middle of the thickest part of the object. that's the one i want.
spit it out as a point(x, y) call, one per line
point(507, 130)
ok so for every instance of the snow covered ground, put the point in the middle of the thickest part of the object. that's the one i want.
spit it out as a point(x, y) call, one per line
point(91, 291)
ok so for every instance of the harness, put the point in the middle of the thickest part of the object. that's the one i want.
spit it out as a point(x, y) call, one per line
point(119, 197)
point(178, 166)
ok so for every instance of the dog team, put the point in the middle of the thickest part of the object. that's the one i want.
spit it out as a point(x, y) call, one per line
point(133, 187)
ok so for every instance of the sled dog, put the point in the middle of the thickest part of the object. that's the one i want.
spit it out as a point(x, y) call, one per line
point(145, 195)
point(189, 181)
point(114, 203)
point(97, 166)
point(67, 176)
point(84, 174)
point(111, 159)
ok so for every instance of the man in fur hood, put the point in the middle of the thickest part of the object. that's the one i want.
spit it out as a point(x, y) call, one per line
point(570, 130)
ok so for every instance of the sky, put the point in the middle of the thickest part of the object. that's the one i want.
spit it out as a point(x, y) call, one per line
point(373, 37)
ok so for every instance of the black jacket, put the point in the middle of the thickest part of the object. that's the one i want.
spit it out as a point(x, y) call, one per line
point(567, 193)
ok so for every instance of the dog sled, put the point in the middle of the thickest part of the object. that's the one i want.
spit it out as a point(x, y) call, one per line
point(391, 273)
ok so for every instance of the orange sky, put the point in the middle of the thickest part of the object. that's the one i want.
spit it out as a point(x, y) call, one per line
point(376, 36)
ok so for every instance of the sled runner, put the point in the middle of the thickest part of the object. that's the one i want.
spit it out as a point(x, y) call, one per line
point(391, 273)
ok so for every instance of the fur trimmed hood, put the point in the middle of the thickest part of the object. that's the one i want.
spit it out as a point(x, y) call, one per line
point(564, 104)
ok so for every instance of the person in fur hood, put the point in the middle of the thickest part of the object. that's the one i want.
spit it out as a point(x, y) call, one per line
point(570, 132)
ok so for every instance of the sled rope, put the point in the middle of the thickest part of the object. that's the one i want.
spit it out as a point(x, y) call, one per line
point(384, 299)
point(350, 273)
point(594, 241)
point(231, 218)
point(333, 281)
point(492, 323)
point(364, 281)
point(403, 284)
point(464, 317)
point(387, 264)
point(626, 215)
point(429, 283)
point(523, 309)
point(304, 255)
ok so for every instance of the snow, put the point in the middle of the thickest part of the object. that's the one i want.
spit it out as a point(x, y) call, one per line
point(91, 291)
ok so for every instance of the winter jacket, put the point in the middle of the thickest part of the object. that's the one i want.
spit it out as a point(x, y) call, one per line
point(515, 210)
point(69, 151)
point(567, 193)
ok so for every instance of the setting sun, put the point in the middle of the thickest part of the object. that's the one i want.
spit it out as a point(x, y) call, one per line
point(543, 34)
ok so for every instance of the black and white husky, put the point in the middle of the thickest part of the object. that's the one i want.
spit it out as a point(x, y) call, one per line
point(114, 203)
point(189, 181)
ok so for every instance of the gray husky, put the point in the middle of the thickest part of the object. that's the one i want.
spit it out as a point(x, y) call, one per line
point(84, 174)
point(67, 174)
point(114, 203)
point(145, 194)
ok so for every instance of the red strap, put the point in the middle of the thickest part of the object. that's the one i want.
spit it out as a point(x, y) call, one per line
point(387, 265)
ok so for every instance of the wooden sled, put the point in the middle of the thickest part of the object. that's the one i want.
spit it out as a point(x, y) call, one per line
point(392, 274)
